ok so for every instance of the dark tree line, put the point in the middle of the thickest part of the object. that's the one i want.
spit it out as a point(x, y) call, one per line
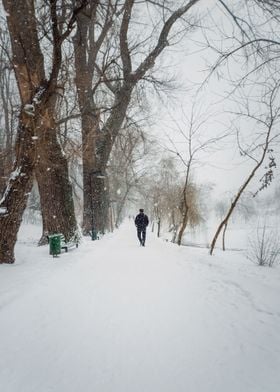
point(38, 153)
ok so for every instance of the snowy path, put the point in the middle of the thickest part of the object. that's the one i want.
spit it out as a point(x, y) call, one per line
point(115, 317)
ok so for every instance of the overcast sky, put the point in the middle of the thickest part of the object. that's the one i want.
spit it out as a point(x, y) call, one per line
point(225, 168)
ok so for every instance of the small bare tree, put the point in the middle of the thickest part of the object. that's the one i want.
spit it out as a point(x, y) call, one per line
point(264, 246)
point(192, 135)
point(268, 122)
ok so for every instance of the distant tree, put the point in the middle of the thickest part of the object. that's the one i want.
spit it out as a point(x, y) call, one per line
point(192, 133)
point(220, 208)
point(129, 163)
point(162, 194)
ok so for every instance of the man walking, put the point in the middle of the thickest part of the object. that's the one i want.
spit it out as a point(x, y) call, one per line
point(141, 222)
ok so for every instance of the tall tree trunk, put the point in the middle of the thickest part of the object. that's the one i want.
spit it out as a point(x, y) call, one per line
point(55, 190)
point(14, 201)
point(6, 166)
point(2, 171)
point(224, 236)
point(158, 228)
point(29, 71)
point(51, 171)
point(183, 226)
point(104, 141)
point(100, 201)
point(6, 139)
point(185, 203)
point(94, 207)
point(89, 124)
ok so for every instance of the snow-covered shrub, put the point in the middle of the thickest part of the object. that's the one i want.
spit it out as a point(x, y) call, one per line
point(264, 246)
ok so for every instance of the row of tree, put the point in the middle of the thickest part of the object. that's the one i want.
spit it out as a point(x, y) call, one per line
point(107, 43)
point(90, 63)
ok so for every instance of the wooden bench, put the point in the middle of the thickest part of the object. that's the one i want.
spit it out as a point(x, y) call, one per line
point(65, 245)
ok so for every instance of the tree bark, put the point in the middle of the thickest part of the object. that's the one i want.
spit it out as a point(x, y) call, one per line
point(55, 190)
point(6, 139)
point(94, 186)
point(2, 170)
point(224, 236)
point(28, 60)
point(89, 124)
point(100, 202)
point(184, 225)
point(19, 186)
point(104, 141)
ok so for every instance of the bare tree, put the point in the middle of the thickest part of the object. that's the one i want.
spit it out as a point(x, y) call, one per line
point(129, 163)
point(196, 143)
point(112, 70)
point(264, 248)
point(259, 146)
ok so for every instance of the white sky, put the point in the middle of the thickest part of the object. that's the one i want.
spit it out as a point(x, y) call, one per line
point(226, 168)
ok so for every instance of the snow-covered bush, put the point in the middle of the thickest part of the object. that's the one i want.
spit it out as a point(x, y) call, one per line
point(264, 246)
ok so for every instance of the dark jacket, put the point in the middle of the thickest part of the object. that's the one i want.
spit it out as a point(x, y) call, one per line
point(141, 220)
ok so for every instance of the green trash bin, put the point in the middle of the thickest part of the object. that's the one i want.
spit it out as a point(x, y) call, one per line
point(55, 244)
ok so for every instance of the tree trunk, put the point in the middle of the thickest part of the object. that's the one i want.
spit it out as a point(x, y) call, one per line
point(89, 124)
point(84, 75)
point(112, 219)
point(174, 233)
point(104, 141)
point(56, 197)
point(55, 190)
point(19, 186)
point(183, 227)
point(6, 139)
point(27, 59)
point(224, 237)
point(158, 228)
point(2, 172)
point(6, 167)
point(100, 202)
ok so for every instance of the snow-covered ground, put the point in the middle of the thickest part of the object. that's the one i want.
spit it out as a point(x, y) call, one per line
point(115, 317)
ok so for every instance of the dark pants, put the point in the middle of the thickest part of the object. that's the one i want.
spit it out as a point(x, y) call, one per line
point(141, 234)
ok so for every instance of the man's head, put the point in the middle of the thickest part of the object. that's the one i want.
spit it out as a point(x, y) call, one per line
point(141, 210)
